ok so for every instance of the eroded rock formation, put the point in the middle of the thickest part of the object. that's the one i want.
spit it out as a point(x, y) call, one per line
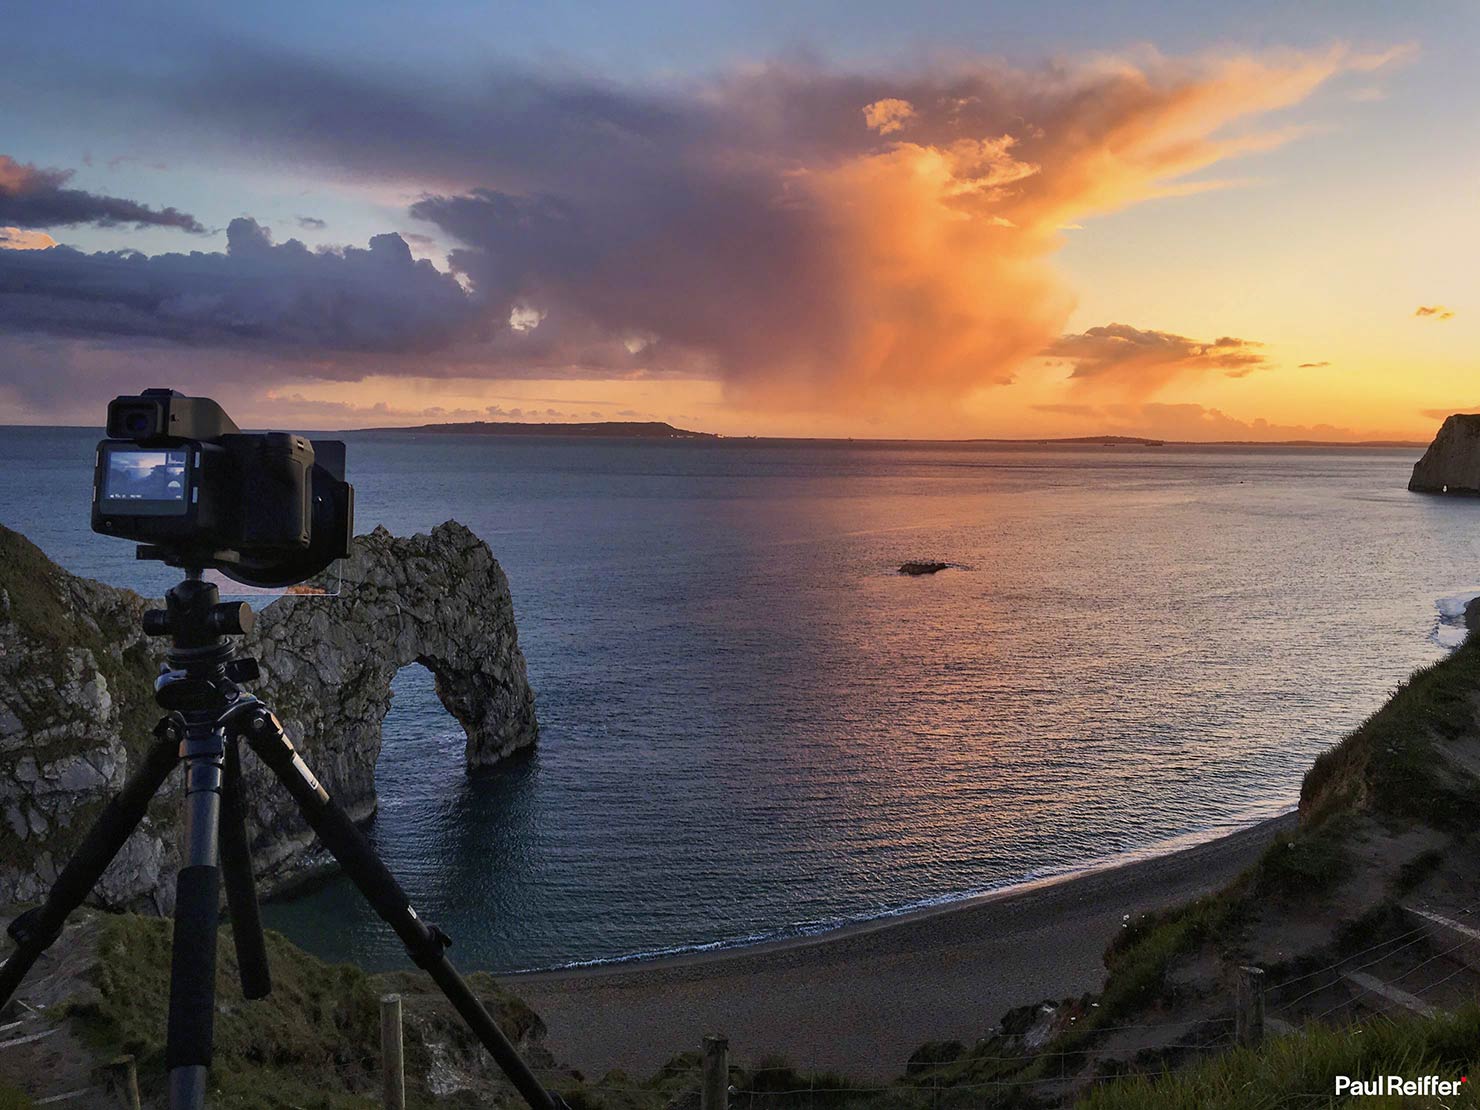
point(1452, 462)
point(76, 704)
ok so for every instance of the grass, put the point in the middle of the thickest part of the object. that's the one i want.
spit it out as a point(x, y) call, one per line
point(314, 1042)
point(1139, 958)
point(1305, 863)
point(1301, 1070)
point(1391, 763)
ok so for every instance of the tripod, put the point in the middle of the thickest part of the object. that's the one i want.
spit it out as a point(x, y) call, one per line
point(207, 716)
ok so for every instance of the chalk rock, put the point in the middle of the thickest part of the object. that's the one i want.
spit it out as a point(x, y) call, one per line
point(76, 698)
point(1452, 462)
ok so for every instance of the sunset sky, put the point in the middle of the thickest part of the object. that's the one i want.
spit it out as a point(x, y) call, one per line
point(1255, 221)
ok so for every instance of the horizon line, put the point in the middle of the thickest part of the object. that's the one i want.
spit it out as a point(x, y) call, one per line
point(1102, 439)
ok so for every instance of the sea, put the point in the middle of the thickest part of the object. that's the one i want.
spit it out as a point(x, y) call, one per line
point(753, 727)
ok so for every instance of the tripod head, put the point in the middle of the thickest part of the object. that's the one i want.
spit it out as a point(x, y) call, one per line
point(203, 669)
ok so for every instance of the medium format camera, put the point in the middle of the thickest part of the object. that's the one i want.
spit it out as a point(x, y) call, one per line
point(176, 474)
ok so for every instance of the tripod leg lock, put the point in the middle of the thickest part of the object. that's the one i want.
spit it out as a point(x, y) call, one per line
point(170, 729)
point(259, 727)
point(30, 929)
point(427, 950)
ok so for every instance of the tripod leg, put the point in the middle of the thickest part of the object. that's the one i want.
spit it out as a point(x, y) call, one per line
point(241, 892)
point(425, 943)
point(37, 929)
point(190, 1033)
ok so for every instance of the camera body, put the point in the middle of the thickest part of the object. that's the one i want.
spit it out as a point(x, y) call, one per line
point(177, 474)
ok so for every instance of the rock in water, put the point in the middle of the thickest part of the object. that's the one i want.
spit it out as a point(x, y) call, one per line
point(76, 698)
point(924, 568)
point(1452, 462)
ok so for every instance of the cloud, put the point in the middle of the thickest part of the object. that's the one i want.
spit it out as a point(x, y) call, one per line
point(1434, 312)
point(31, 197)
point(1312, 365)
point(20, 239)
point(1067, 409)
point(1444, 414)
point(282, 298)
point(312, 223)
point(888, 115)
point(759, 226)
point(1139, 361)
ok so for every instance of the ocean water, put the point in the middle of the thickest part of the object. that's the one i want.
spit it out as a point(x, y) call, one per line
point(752, 727)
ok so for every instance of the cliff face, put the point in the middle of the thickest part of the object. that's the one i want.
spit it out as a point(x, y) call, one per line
point(1452, 462)
point(76, 704)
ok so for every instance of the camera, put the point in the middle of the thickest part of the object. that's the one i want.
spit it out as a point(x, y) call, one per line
point(177, 475)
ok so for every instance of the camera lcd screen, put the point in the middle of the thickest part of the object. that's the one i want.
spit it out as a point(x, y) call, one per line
point(136, 481)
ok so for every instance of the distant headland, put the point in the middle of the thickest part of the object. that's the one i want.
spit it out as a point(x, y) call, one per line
point(658, 429)
point(624, 429)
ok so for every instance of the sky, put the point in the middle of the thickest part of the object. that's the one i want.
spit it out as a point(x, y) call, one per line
point(959, 219)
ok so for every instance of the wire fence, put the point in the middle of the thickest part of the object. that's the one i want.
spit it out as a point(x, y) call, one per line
point(1334, 974)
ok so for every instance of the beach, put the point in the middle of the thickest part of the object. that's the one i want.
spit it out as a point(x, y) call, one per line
point(862, 999)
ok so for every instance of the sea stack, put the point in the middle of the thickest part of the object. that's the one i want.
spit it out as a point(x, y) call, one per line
point(1452, 462)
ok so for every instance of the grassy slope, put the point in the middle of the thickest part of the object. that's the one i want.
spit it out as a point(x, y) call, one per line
point(1301, 1070)
point(313, 1042)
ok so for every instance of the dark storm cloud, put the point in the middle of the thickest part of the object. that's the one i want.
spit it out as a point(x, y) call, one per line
point(809, 236)
point(813, 238)
point(33, 197)
point(284, 297)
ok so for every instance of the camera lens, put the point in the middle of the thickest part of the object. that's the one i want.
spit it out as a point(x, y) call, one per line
point(137, 423)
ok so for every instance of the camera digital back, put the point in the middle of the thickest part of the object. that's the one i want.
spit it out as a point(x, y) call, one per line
point(177, 475)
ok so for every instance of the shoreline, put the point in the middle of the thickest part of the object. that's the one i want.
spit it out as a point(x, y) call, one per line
point(726, 949)
point(861, 998)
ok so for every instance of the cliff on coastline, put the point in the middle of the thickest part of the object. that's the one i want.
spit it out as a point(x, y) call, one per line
point(1452, 462)
point(76, 704)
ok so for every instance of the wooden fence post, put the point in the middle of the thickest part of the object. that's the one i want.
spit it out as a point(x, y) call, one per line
point(715, 1093)
point(393, 1064)
point(1249, 1017)
point(121, 1080)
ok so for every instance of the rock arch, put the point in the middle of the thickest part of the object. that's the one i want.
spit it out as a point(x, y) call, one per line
point(75, 709)
point(440, 600)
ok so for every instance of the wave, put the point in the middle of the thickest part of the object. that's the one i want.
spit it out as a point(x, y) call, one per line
point(1450, 630)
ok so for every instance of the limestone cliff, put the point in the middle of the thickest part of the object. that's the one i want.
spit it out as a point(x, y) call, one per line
point(76, 706)
point(1452, 462)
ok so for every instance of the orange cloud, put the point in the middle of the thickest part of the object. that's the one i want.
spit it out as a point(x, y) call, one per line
point(1444, 414)
point(1434, 312)
point(24, 239)
point(1136, 361)
point(888, 115)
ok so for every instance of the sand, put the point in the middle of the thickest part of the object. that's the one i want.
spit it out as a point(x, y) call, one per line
point(862, 999)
